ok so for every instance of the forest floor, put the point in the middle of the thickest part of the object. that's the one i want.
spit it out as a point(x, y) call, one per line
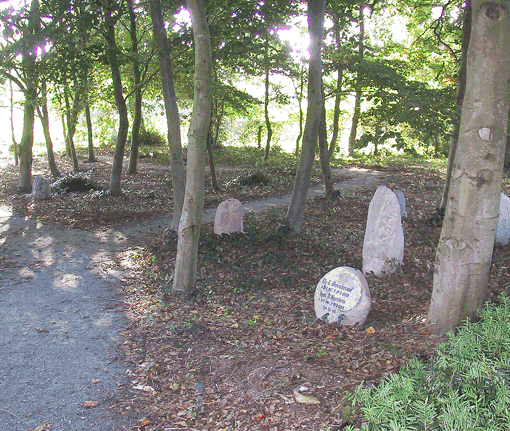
point(242, 354)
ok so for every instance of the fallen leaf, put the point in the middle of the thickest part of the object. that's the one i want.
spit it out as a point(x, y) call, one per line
point(305, 399)
point(370, 330)
point(95, 380)
point(90, 404)
point(42, 427)
point(424, 332)
point(145, 422)
point(144, 388)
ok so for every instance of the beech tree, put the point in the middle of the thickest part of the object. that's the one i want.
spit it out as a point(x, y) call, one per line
point(313, 116)
point(189, 227)
point(466, 243)
point(171, 110)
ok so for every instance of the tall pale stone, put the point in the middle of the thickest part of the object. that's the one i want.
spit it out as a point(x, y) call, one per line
point(343, 295)
point(402, 201)
point(40, 188)
point(383, 247)
point(229, 217)
point(503, 228)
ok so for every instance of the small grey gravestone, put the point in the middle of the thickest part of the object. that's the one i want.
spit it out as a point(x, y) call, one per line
point(343, 295)
point(229, 217)
point(40, 188)
point(503, 227)
point(402, 203)
point(383, 246)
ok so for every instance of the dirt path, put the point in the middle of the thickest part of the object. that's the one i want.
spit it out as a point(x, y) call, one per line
point(62, 314)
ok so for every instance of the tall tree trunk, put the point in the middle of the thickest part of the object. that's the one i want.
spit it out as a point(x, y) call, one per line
point(13, 135)
point(266, 98)
point(338, 96)
point(466, 244)
point(171, 110)
point(212, 168)
point(113, 60)
point(461, 90)
point(299, 95)
point(259, 136)
point(72, 120)
point(324, 153)
point(29, 66)
point(313, 116)
point(507, 152)
point(45, 122)
point(90, 135)
point(359, 74)
point(189, 228)
point(137, 119)
point(219, 119)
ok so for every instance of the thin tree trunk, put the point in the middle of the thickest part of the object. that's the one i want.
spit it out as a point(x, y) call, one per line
point(171, 110)
point(45, 122)
point(300, 100)
point(14, 142)
point(266, 99)
point(90, 135)
point(212, 168)
point(219, 118)
point(137, 120)
point(189, 227)
point(333, 145)
point(357, 101)
point(461, 90)
point(27, 139)
point(507, 152)
point(113, 60)
point(313, 116)
point(72, 120)
point(466, 243)
point(259, 136)
point(324, 154)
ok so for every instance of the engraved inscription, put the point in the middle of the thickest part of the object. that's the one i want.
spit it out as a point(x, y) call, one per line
point(339, 294)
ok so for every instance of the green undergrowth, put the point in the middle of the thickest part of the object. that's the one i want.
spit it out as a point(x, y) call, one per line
point(465, 387)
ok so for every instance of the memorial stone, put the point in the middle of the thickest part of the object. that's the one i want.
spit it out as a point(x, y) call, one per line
point(342, 295)
point(383, 246)
point(503, 227)
point(402, 203)
point(229, 217)
point(40, 188)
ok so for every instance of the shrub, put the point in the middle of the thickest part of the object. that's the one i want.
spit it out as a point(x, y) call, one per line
point(151, 138)
point(75, 182)
point(465, 387)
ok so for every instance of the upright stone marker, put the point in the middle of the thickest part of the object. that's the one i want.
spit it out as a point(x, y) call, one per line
point(229, 217)
point(40, 188)
point(383, 247)
point(343, 295)
point(402, 202)
point(503, 228)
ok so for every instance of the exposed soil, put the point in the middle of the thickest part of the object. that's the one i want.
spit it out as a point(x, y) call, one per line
point(243, 351)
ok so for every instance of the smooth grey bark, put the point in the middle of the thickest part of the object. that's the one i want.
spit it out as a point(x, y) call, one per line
point(507, 152)
point(357, 101)
point(137, 118)
point(459, 98)
point(90, 135)
point(31, 75)
point(114, 62)
point(338, 95)
point(313, 114)
point(189, 227)
point(72, 121)
point(45, 122)
point(171, 110)
point(266, 98)
point(324, 154)
point(466, 243)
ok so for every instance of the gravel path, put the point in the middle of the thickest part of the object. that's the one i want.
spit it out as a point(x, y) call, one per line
point(62, 315)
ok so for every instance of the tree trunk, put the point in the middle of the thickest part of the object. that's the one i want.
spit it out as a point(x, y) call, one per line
point(118, 156)
point(313, 116)
point(90, 135)
point(72, 120)
point(466, 244)
point(14, 142)
point(266, 99)
point(357, 102)
point(461, 90)
point(45, 122)
point(171, 110)
point(214, 179)
point(507, 152)
point(299, 95)
point(324, 154)
point(338, 96)
point(137, 120)
point(27, 138)
point(189, 228)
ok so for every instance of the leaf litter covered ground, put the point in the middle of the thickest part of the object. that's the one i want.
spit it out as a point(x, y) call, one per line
point(247, 353)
